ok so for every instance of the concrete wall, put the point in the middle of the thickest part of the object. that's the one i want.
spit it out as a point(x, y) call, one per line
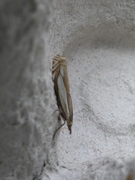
point(26, 90)
point(97, 38)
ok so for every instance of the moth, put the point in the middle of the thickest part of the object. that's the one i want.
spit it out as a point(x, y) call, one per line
point(62, 90)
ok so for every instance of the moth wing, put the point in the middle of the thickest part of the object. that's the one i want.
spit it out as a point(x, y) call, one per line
point(62, 95)
point(70, 108)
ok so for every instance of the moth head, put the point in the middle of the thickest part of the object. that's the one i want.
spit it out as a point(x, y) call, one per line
point(61, 60)
point(58, 59)
point(69, 124)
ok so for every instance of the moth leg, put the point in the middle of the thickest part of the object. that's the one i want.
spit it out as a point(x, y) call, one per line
point(57, 110)
point(58, 129)
point(55, 67)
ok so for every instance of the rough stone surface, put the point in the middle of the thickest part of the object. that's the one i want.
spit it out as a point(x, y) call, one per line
point(98, 39)
point(26, 90)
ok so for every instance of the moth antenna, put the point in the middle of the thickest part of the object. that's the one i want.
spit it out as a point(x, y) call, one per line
point(58, 129)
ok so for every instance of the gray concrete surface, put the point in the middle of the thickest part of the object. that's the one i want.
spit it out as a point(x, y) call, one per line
point(97, 38)
point(26, 121)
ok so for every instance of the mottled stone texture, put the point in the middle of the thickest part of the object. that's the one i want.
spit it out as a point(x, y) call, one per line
point(25, 89)
point(97, 37)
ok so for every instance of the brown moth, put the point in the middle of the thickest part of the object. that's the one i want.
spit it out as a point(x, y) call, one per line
point(62, 90)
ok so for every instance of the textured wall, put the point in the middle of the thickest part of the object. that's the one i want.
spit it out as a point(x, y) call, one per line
point(26, 127)
point(98, 39)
